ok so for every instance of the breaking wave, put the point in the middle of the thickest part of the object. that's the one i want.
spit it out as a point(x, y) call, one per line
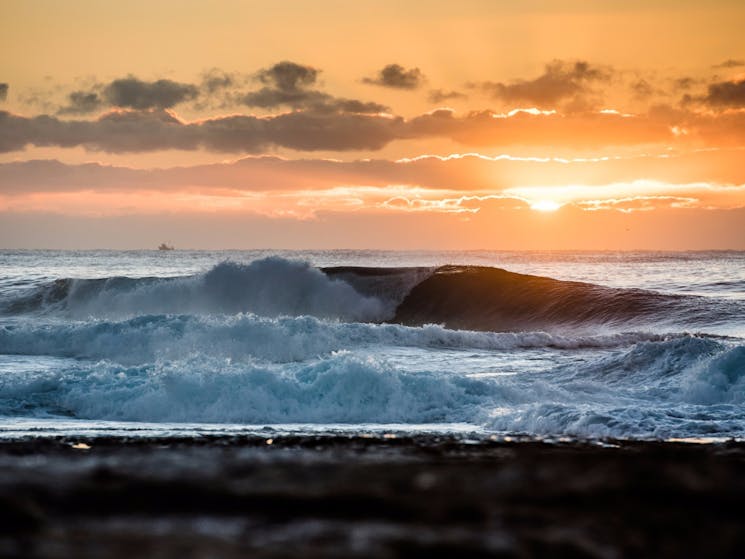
point(684, 386)
point(458, 297)
point(279, 340)
point(270, 287)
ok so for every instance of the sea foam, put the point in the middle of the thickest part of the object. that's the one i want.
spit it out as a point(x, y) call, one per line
point(681, 386)
point(143, 339)
point(270, 287)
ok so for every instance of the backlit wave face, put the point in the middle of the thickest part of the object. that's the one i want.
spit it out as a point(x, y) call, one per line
point(578, 139)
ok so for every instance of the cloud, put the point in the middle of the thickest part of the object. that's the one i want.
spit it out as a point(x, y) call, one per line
point(268, 97)
point(140, 131)
point(289, 76)
point(318, 101)
point(728, 94)
point(440, 95)
point(4, 91)
point(533, 128)
point(133, 93)
point(123, 131)
point(82, 102)
point(286, 83)
point(397, 77)
point(560, 81)
point(333, 104)
point(215, 80)
point(130, 93)
point(730, 63)
point(534, 178)
point(290, 84)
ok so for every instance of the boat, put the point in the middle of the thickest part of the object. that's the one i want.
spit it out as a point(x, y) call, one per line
point(164, 246)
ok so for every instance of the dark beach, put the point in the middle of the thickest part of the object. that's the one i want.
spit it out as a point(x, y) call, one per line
point(383, 496)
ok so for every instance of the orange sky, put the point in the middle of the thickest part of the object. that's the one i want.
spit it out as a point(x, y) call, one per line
point(481, 124)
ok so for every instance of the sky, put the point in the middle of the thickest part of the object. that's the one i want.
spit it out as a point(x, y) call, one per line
point(223, 124)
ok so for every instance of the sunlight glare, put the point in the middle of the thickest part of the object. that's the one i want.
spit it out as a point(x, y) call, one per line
point(545, 206)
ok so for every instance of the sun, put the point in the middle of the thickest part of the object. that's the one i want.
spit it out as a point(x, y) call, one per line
point(545, 206)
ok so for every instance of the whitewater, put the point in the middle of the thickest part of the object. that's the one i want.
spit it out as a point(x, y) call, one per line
point(545, 345)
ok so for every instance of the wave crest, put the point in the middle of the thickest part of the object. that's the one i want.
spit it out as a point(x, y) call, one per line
point(271, 287)
point(243, 337)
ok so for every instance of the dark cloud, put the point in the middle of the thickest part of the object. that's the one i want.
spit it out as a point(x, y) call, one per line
point(270, 97)
point(267, 98)
point(396, 76)
point(350, 106)
point(290, 84)
point(286, 83)
point(439, 96)
point(730, 63)
point(82, 102)
point(130, 93)
point(4, 91)
point(311, 130)
point(729, 94)
point(289, 76)
point(140, 131)
point(133, 93)
point(560, 81)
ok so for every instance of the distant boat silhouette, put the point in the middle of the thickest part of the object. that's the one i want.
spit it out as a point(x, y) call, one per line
point(164, 246)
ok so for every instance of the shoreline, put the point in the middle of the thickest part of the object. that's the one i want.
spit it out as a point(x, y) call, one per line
point(370, 496)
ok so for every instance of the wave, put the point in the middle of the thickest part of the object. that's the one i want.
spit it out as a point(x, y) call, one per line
point(270, 287)
point(481, 298)
point(244, 337)
point(457, 297)
point(677, 387)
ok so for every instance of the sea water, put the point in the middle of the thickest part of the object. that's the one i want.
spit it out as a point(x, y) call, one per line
point(144, 343)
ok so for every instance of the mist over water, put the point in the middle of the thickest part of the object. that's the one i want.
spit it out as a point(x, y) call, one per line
point(633, 345)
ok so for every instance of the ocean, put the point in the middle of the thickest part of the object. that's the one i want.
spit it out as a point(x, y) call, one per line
point(544, 345)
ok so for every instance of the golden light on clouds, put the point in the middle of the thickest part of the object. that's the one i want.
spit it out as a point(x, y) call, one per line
point(528, 111)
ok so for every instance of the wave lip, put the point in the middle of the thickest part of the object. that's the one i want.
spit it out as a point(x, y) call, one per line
point(481, 298)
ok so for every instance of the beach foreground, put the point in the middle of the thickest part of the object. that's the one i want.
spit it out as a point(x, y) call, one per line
point(375, 496)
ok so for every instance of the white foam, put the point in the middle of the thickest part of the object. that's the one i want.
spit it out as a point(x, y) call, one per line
point(246, 336)
point(340, 389)
point(271, 286)
point(679, 387)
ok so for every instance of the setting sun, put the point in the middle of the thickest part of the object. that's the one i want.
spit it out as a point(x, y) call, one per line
point(545, 206)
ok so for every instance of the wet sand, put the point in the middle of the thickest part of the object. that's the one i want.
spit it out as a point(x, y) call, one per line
point(341, 496)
